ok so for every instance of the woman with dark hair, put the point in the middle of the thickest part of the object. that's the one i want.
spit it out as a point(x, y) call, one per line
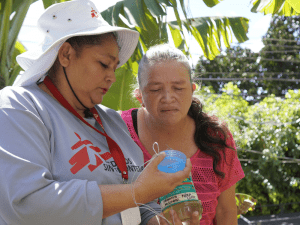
point(65, 158)
point(173, 118)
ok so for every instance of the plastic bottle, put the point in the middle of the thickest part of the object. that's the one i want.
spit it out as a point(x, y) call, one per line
point(183, 199)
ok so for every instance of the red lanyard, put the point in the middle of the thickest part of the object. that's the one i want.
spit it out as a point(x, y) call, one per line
point(114, 148)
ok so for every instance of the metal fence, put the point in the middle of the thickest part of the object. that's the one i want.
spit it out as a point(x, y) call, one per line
point(279, 219)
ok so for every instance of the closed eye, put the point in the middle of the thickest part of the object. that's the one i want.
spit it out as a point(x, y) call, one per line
point(104, 65)
point(154, 90)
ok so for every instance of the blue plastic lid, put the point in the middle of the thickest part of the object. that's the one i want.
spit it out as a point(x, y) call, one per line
point(173, 162)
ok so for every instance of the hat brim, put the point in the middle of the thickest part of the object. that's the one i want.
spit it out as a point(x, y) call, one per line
point(38, 61)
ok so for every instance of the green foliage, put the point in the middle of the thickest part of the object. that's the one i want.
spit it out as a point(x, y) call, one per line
point(257, 74)
point(9, 31)
point(244, 202)
point(276, 7)
point(281, 43)
point(236, 62)
point(209, 35)
point(48, 3)
point(211, 3)
point(148, 18)
point(271, 128)
point(227, 106)
point(120, 95)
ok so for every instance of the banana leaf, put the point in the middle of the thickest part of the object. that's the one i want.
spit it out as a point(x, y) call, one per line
point(278, 7)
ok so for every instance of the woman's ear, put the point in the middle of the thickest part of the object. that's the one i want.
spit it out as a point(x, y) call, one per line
point(138, 95)
point(194, 86)
point(65, 53)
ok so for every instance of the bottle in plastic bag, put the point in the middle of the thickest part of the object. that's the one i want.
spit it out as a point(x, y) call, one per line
point(183, 199)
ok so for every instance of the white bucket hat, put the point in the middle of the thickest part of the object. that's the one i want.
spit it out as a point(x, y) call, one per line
point(65, 20)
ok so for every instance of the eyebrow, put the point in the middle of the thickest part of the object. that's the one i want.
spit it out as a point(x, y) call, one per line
point(113, 58)
point(178, 82)
point(173, 82)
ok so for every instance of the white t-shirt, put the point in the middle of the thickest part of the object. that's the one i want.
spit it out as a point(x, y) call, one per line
point(51, 163)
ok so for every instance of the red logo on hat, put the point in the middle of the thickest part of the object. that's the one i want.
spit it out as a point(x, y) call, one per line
point(94, 13)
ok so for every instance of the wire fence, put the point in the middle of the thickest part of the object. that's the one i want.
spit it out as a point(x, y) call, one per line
point(273, 219)
point(248, 79)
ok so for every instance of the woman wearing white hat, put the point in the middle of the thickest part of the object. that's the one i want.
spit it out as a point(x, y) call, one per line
point(64, 158)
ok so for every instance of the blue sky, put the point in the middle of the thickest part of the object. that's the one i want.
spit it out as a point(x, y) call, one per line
point(258, 25)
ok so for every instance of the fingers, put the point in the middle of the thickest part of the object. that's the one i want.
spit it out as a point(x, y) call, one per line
point(162, 221)
point(195, 218)
point(158, 159)
point(187, 170)
point(175, 218)
point(188, 165)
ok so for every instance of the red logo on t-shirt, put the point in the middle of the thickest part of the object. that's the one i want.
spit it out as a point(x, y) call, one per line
point(81, 158)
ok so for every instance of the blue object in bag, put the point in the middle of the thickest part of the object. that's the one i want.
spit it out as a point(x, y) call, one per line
point(173, 162)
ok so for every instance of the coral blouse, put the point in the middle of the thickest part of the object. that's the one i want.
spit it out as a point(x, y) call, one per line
point(208, 185)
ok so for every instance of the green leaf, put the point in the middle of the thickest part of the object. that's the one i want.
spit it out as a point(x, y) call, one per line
point(211, 3)
point(138, 53)
point(221, 27)
point(150, 36)
point(174, 3)
point(163, 32)
point(47, 3)
point(166, 2)
point(18, 3)
point(112, 14)
point(4, 38)
point(17, 22)
point(134, 12)
point(279, 7)
point(239, 26)
point(107, 14)
point(295, 4)
point(155, 8)
point(209, 35)
point(2, 3)
point(176, 35)
point(119, 96)
point(15, 67)
point(18, 49)
point(183, 8)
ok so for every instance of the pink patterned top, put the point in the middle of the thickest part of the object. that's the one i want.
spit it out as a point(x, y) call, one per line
point(208, 185)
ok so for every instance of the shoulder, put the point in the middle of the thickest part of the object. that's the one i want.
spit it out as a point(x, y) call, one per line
point(219, 129)
point(110, 114)
point(18, 97)
point(126, 114)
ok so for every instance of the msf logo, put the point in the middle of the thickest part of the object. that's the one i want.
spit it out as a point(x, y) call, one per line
point(82, 158)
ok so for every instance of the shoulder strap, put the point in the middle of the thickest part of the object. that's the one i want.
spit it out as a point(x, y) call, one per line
point(134, 120)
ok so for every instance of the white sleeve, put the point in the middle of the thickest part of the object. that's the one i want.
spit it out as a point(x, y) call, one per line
point(29, 193)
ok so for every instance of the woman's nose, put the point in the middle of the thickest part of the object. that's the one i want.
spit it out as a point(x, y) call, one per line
point(167, 96)
point(111, 76)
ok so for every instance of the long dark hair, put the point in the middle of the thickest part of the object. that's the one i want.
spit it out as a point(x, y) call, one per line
point(210, 135)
